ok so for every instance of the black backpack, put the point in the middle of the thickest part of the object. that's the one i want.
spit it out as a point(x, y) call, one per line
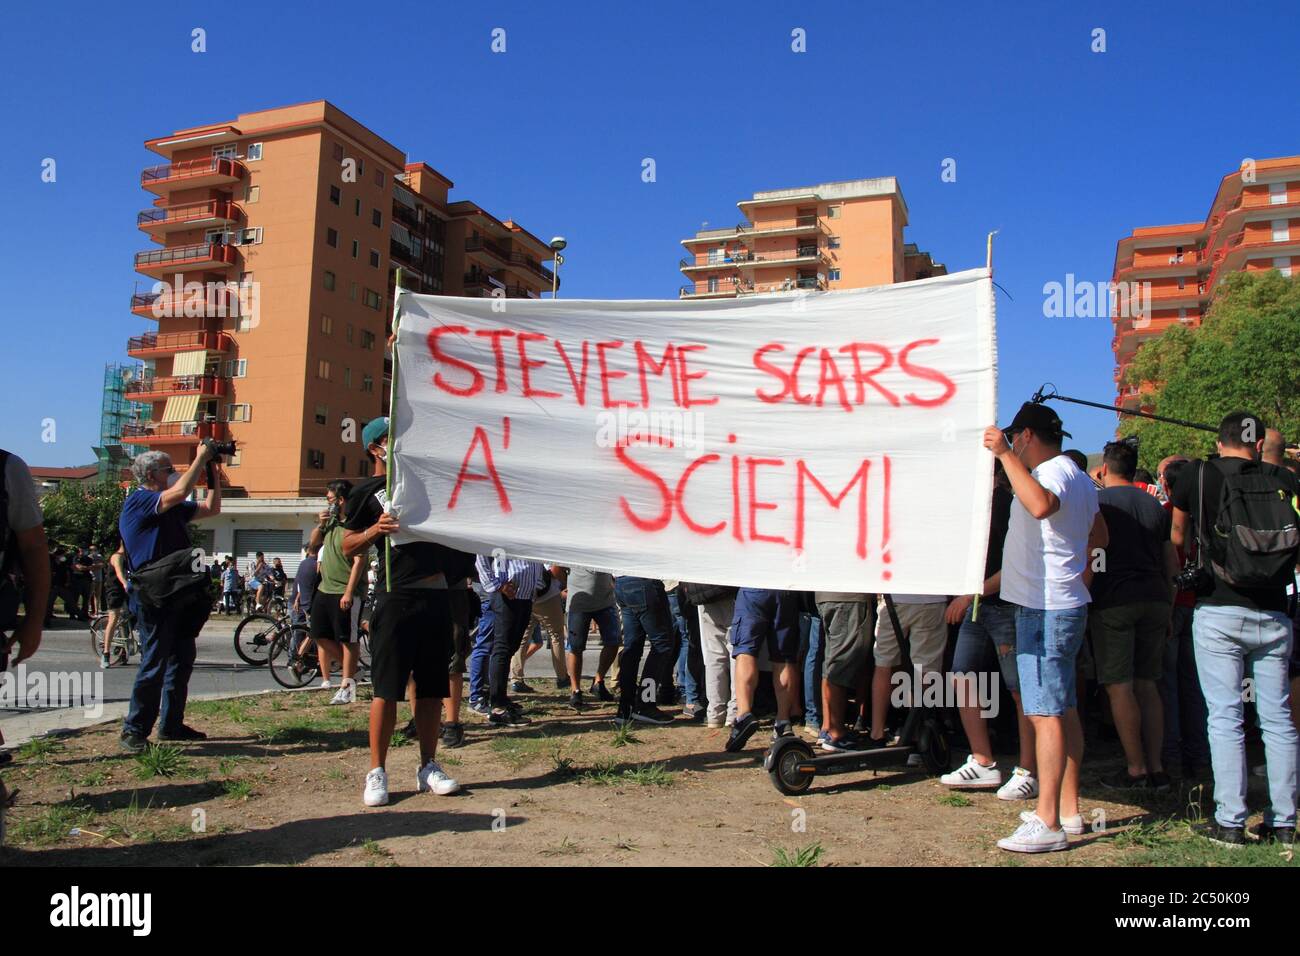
point(9, 592)
point(1254, 538)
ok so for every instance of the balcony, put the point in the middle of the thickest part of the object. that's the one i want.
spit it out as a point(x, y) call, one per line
point(191, 174)
point(800, 284)
point(161, 220)
point(175, 433)
point(520, 292)
point(203, 255)
point(518, 259)
point(215, 300)
point(486, 246)
point(154, 389)
point(154, 344)
point(751, 259)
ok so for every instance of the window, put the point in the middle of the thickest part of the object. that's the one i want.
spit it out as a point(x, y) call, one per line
point(336, 195)
point(713, 283)
point(356, 248)
point(252, 193)
point(352, 291)
point(239, 413)
point(329, 281)
point(379, 178)
point(834, 275)
point(323, 369)
point(1281, 230)
point(246, 278)
point(361, 469)
point(236, 368)
point(228, 151)
point(374, 258)
point(322, 414)
point(232, 461)
point(350, 330)
point(315, 459)
point(368, 340)
point(376, 217)
point(833, 212)
point(246, 237)
point(332, 238)
point(372, 299)
point(1182, 282)
point(1276, 193)
point(356, 207)
point(338, 152)
point(1283, 265)
point(254, 152)
point(327, 325)
point(833, 242)
point(343, 464)
point(361, 166)
point(347, 377)
point(367, 383)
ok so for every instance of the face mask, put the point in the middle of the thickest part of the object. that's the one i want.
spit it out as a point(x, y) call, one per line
point(381, 453)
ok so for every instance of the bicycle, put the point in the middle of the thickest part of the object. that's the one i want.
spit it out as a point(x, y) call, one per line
point(292, 656)
point(254, 634)
point(125, 641)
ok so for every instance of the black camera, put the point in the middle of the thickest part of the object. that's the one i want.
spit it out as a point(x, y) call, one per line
point(1195, 578)
point(220, 447)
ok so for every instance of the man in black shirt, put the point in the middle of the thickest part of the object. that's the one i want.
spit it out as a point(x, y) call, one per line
point(1132, 602)
point(1240, 632)
point(410, 628)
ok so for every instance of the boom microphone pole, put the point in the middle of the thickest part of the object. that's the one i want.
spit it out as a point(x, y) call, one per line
point(1043, 394)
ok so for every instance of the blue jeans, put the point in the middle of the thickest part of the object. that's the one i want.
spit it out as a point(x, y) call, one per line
point(690, 663)
point(580, 625)
point(814, 650)
point(995, 627)
point(479, 655)
point(167, 652)
point(1180, 690)
point(1233, 643)
point(644, 611)
point(1047, 646)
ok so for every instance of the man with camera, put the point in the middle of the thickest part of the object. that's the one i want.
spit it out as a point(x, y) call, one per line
point(169, 592)
point(1239, 510)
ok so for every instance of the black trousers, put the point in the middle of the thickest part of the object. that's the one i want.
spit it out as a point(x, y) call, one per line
point(510, 617)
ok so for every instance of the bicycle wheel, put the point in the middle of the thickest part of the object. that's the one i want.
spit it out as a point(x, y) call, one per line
point(253, 638)
point(125, 643)
point(97, 634)
point(292, 658)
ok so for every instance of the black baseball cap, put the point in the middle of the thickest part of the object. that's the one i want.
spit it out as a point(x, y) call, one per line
point(1041, 418)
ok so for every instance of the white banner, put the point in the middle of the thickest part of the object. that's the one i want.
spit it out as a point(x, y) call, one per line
point(829, 441)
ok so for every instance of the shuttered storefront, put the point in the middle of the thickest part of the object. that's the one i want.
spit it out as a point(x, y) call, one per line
point(285, 545)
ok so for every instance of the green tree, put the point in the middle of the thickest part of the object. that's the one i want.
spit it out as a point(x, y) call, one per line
point(1244, 357)
point(81, 515)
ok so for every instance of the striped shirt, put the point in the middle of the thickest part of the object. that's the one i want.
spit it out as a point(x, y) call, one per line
point(524, 575)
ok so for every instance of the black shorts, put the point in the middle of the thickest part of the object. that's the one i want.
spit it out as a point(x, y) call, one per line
point(114, 595)
point(459, 601)
point(410, 637)
point(328, 620)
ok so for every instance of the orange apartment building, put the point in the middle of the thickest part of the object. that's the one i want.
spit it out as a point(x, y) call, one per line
point(842, 235)
point(278, 237)
point(1253, 225)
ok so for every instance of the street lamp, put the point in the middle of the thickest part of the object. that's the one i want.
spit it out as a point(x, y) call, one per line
point(558, 243)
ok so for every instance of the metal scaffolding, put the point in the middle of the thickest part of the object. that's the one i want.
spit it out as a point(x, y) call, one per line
point(116, 411)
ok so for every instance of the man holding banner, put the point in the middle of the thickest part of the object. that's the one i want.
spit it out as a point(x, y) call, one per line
point(410, 629)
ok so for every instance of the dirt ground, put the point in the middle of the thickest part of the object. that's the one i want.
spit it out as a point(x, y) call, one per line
point(279, 782)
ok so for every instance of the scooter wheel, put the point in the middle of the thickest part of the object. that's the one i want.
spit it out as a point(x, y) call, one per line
point(783, 762)
point(935, 752)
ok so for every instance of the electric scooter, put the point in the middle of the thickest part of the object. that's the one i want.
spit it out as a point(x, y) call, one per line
point(792, 764)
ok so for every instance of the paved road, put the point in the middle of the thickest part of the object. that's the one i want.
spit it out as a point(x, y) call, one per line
point(65, 655)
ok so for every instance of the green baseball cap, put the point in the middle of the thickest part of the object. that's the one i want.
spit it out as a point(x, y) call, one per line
point(375, 430)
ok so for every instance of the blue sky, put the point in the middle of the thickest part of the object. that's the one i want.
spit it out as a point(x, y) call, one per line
point(1061, 149)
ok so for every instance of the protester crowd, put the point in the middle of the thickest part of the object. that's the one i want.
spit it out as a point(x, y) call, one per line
point(1175, 594)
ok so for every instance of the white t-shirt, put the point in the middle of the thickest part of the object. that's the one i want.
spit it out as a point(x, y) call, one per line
point(1043, 561)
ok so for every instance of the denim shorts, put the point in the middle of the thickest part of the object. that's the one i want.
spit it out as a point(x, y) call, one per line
point(996, 626)
point(1047, 645)
point(766, 617)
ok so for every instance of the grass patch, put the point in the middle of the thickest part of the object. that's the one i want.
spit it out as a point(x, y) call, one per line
point(399, 739)
point(50, 825)
point(1175, 843)
point(623, 736)
point(518, 752)
point(956, 800)
point(809, 855)
point(237, 710)
point(93, 777)
point(160, 760)
point(606, 773)
point(371, 848)
point(565, 847)
point(38, 749)
point(237, 789)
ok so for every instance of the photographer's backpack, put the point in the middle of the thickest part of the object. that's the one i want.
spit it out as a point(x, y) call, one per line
point(1255, 537)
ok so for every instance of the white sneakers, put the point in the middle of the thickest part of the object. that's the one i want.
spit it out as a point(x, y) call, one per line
point(347, 692)
point(326, 684)
point(1071, 825)
point(376, 792)
point(1021, 785)
point(1033, 836)
point(433, 777)
point(973, 775)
